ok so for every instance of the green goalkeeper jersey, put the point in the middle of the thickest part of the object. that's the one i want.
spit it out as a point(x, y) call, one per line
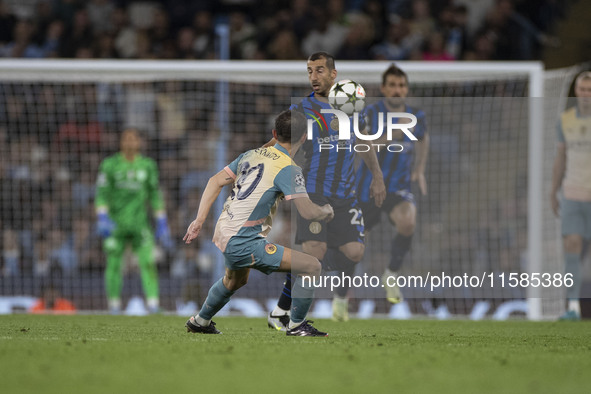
point(123, 189)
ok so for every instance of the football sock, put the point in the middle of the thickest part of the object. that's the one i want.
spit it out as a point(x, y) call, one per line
point(573, 266)
point(114, 304)
point(202, 322)
point(293, 325)
point(400, 247)
point(279, 311)
point(336, 259)
point(153, 303)
point(574, 305)
point(303, 295)
point(284, 302)
point(217, 297)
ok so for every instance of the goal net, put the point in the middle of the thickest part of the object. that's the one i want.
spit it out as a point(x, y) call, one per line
point(59, 119)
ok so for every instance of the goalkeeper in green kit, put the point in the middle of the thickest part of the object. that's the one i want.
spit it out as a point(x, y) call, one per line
point(126, 182)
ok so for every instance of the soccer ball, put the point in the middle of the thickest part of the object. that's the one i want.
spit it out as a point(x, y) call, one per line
point(347, 96)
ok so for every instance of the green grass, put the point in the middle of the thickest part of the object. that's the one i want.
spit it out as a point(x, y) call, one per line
point(154, 354)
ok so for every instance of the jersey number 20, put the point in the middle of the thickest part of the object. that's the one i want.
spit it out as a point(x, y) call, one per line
point(248, 179)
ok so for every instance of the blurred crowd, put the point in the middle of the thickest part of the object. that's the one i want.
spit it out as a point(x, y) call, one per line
point(53, 136)
point(281, 30)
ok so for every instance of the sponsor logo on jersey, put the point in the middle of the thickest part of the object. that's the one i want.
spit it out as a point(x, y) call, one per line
point(315, 227)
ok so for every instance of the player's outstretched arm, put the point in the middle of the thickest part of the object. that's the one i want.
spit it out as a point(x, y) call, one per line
point(213, 189)
point(558, 170)
point(418, 173)
point(312, 211)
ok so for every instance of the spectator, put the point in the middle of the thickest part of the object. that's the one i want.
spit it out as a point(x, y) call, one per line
point(203, 45)
point(484, 47)
point(186, 43)
point(398, 44)
point(104, 47)
point(79, 35)
point(243, 43)
point(358, 40)
point(518, 38)
point(329, 34)
point(421, 23)
point(302, 18)
point(11, 253)
point(83, 240)
point(61, 251)
point(42, 263)
point(376, 12)
point(140, 108)
point(22, 44)
point(99, 13)
point(160, 33)
point(267, 30)
point(284, 46)
point(436, 48)
point(125, 34)
point(7, 23)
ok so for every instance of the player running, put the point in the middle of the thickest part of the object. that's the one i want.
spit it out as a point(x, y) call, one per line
point(399, 171)
point(260, 178)
point(126, 182)
point(330, 179)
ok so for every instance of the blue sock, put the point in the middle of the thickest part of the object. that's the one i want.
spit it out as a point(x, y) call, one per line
point(573, 266)
point(285, 297)
point(302, 297)
point(217, 297)
point(337, 260)
point(400, 247)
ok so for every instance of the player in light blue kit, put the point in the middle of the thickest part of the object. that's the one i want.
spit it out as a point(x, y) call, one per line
point(260, 178)
point(572, 174)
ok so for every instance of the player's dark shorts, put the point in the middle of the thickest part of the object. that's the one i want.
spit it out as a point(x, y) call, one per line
point(372, 214)
point(345, 227)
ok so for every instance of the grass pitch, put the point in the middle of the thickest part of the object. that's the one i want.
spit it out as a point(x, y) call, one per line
point(154, 354)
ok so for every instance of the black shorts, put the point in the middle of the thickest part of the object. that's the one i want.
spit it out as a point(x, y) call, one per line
point(372, 214)
point(345, 227)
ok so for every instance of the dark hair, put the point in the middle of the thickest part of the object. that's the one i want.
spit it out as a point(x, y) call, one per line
point(290, 126)
point(323, 55)
point(393, 70)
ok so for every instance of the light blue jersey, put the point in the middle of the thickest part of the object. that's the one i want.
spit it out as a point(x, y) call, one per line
point(262, 177)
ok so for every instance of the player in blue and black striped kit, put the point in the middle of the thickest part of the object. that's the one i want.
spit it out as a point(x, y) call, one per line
point(399, 169)
point(330, 179)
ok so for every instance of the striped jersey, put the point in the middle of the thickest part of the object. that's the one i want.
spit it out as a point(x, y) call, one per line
point(262, 177)
point(396, 166)
point(575, 131)
point(328, 172)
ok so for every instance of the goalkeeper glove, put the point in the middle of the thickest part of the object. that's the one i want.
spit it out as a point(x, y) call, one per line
point(163, 232)
point(105, 226)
